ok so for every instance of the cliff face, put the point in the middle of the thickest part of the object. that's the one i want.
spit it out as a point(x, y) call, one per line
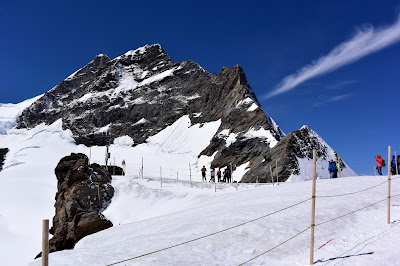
point(293, 156)
point(143, 91)
point(84, 191)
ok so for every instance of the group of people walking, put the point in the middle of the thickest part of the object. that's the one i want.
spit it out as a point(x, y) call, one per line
point(227, 174)
point(394, 166)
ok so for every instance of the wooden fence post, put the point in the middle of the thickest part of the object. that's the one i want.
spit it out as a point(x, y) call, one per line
point(272, 176)
point(375, 169)
point(313, 206)
point(339, 168)
point(45, 243)
point(389, 172)
point(277, 176)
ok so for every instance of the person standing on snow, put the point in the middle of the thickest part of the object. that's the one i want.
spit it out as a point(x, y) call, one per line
point(380, 164)
point(203, 173)
point(398, 163)
point(393, 169)
point(219, 175)
point(331, 169)
point(228, 175)
point(212, 179)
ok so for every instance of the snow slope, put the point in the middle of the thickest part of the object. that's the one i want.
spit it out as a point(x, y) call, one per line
point(30, 184)
point(148, 217)
point(162, 217)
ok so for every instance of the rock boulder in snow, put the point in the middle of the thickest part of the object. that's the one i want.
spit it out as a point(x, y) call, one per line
point(83, 192)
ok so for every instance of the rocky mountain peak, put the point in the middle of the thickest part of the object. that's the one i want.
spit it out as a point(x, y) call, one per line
point(143, 91)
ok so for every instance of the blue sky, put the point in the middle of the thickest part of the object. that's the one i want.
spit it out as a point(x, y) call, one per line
point(355, 107)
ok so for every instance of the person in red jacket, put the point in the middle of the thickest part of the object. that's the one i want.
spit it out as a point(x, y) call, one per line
point(380, 163)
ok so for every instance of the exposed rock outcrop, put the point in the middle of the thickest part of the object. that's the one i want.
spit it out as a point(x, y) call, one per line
point(3, 152)
point(294, 149)
point(83, 193)
point(144, 91)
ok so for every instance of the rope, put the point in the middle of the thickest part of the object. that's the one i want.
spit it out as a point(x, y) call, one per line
point(345, 194)
point(287, 240)
point(355, 210)
point(156, 251)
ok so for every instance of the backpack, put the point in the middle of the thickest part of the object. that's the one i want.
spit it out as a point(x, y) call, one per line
point(383, 163)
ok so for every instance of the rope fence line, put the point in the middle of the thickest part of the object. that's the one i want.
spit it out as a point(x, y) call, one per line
point(351, 193)
point(356, 210)
point(312, 226)
point(287, 240)
point(198, 238)
point(280, 244)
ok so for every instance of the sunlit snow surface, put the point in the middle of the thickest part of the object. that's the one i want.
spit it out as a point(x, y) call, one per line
point(150, 218)
point(147, 217)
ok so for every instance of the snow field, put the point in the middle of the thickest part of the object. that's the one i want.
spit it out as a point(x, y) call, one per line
point(178, 213)
point(147, 217)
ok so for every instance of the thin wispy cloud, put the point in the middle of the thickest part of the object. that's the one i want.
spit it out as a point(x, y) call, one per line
point(341, 84)
point(334, 99)
point(366, 41)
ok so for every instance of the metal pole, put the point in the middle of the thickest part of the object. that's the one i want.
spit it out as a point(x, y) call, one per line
point(190, 175)
point(114, 167)
point(313, 206)
point(231, 174)
point(161, 176)
point(45, 243)
point(389, 173)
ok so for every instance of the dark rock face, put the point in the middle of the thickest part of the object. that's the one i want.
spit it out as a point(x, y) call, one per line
point(83, 192)
point(3, 152)
point(147, 84)
point(143, 91)
point(282, 158)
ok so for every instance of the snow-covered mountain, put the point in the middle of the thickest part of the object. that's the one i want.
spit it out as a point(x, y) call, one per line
point(143, 92)
point(167, 119)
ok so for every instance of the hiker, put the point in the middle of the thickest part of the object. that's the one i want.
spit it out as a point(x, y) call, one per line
point(225, 176)
point(331, 169)
point(393, 164)
point(336, 170)
point(398, 163)
point(219, 175)
point(228, 175)
point(380, 164)
point(203, 173)
point(212, 179)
